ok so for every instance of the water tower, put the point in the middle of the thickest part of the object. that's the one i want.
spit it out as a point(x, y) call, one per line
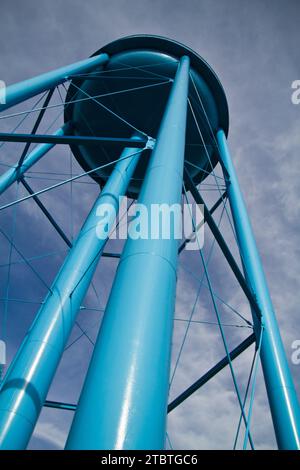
point(161, 108)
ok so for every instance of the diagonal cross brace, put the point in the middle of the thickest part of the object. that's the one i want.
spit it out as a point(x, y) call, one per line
point(212, 372)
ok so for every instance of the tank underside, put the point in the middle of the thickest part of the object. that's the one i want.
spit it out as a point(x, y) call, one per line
point(138, 78)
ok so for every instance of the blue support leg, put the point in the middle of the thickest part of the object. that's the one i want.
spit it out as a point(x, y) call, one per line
point(22, 91)
point(123, 404)
point(25, 386)
point(280, 388)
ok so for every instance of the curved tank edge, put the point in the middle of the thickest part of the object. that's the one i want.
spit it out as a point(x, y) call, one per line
point(177, 49)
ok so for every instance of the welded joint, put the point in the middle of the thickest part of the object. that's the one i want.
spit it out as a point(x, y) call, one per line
point(150, 143)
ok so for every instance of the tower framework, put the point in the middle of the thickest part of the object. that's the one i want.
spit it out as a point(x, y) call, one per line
point(162, 109)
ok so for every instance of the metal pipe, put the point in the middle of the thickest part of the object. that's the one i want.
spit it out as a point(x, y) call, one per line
point(280, 388)
point(27, 381)
point(16, 172)
point(33, 86)
point(123, 404)
point(73, 140)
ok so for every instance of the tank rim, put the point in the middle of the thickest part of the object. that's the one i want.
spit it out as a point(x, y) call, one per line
point(177, 49)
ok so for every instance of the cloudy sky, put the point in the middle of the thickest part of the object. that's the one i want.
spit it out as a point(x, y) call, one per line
point(254, 49)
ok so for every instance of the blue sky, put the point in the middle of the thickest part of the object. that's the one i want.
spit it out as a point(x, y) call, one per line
point(254, 49)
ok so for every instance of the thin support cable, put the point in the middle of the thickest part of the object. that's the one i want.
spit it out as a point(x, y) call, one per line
point(207, 153)
point(192, 235)
point(81, 335)
point(35, 127)
point(17, 127)
point(126, 68)
point(26, 261)
point(211, 165)
point(22, 301)
point(169, 440)
point(224, 247)
point(203, 322)
point(113, 77)
point(247, 432)
point(110, 111)
point(54, 186)
point(218, 297)
point(245, 400)
point(71, 198)
point(84, 333)
point(34, 258)
point(25, 117)
point(82, 116)
point(89, 98)
point(142, 67)
point(71, 183)
point(126, 90)
point(208, 122)
point(97, 254)
point(46, 212)
point(205, 171)
point(204, 144)
point(204, 112)
point(6, 304)
point(221, 328)
point(31, 176)
point(192, 313)
point(84, 308)
point(35, 145)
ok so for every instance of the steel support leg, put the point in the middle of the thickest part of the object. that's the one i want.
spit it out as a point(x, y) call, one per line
point(123, 404)
point(33, 86)
point(15, 173)
point(27, 381)
point(280, 388)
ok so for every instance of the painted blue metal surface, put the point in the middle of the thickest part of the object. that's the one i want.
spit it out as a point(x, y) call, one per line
point(16, 172)
point(73, 139)
point(33, 86)
point(123, 404)
point(25, 386)
point(280, 388)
